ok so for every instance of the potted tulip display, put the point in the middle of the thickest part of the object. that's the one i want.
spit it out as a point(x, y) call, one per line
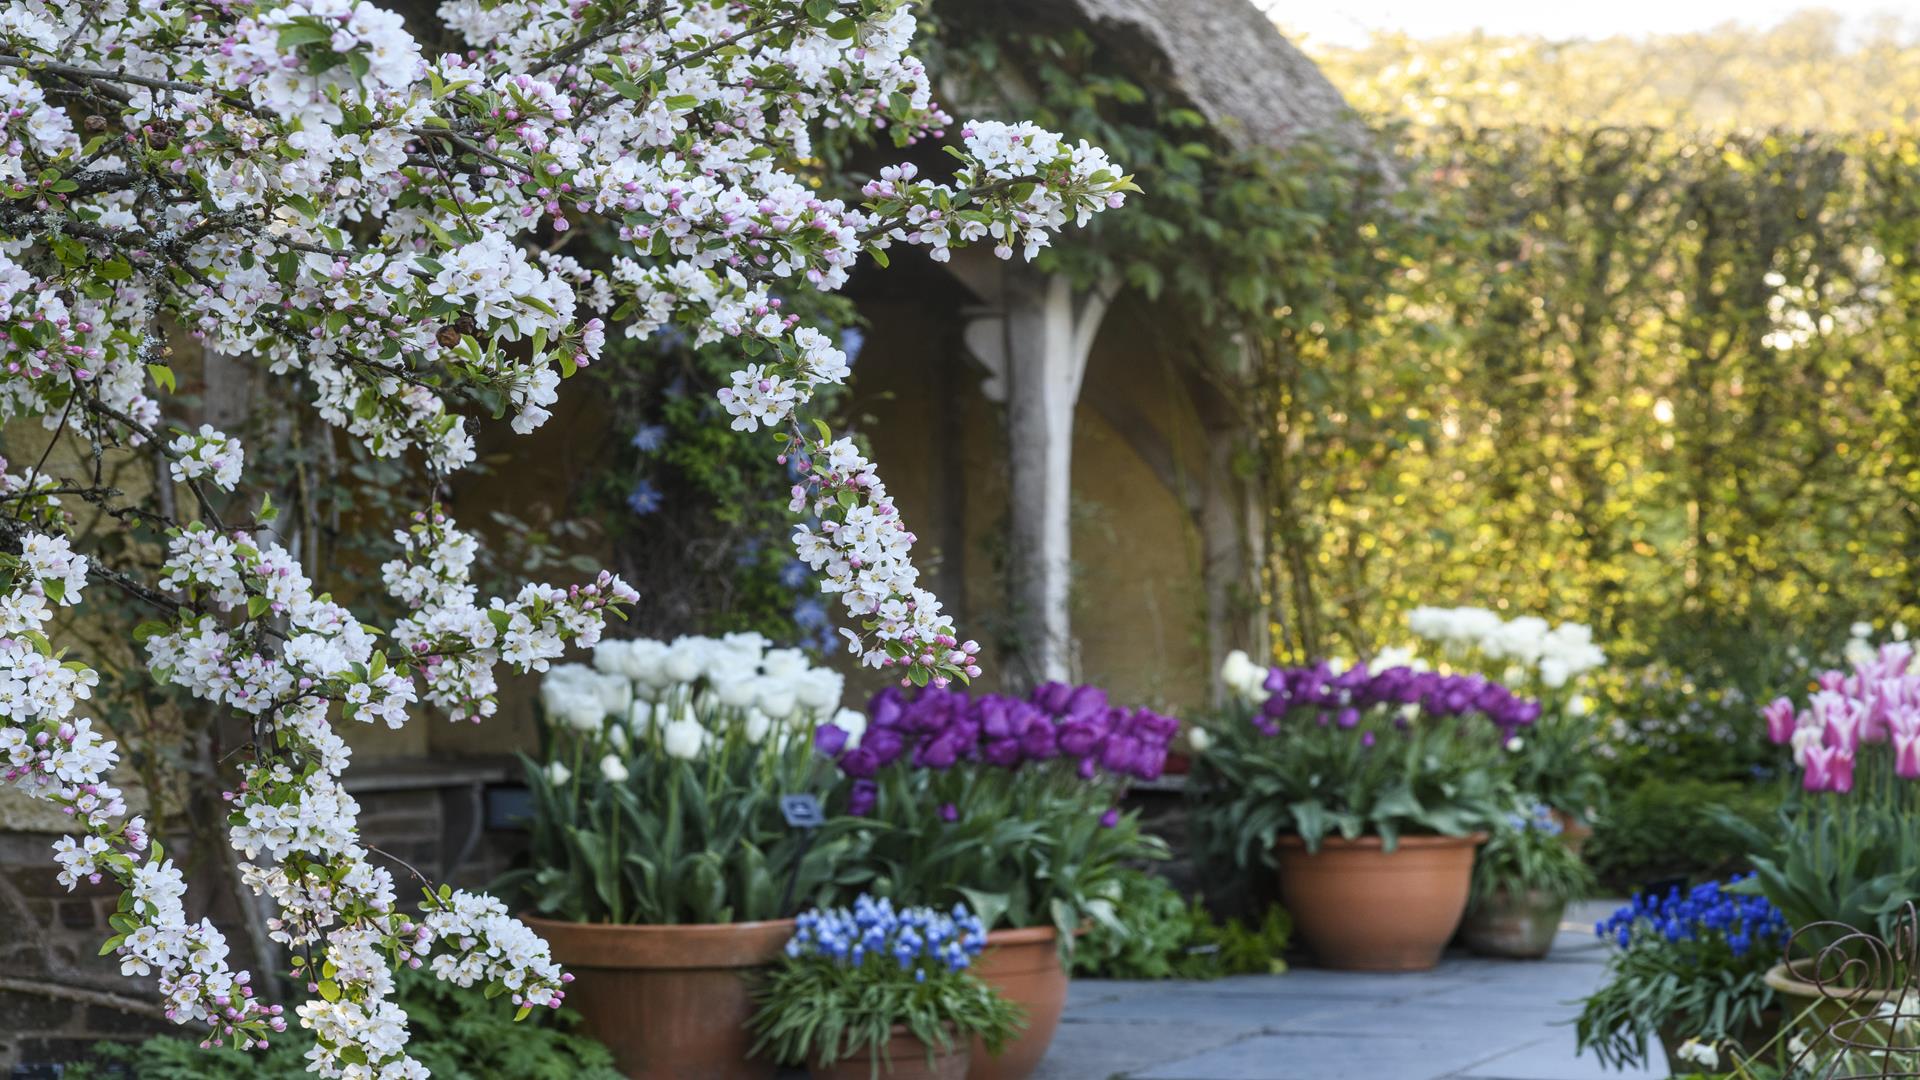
point(661, 868)
point(1550, 664)
point(1845, 856)
point(872, 992)
point(1522, 879)
point(1008, 805)
point(1369, 790)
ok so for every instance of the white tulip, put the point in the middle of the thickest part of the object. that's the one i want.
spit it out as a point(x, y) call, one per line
point(785, 663)
point(776, 698)
point(686, 659)
point(854, 723)
point(613, 770)
point(1198, 739)
point(1391, 657)
point(818, 690)
point(646, 662)
point(610, 656)
point(1861, 630)
point(1578, 705)
point(558, 774)
point(1553, 672)
point(585, 713)
point(1899, 631)
point(756, 725)
point(683, 738)
point(735, 686)
point(616, 693)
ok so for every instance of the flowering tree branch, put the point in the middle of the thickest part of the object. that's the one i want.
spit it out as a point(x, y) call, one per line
point(296, 182)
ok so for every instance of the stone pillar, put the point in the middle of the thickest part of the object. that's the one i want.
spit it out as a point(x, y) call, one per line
point(1035, 336)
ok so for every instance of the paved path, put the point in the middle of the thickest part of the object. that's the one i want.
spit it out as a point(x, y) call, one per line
point(1470, 1018)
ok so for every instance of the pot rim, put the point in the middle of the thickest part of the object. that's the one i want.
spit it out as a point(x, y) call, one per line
point(1784, 977)
point(663, 945)
point(1024, 935)
point(1371, 842)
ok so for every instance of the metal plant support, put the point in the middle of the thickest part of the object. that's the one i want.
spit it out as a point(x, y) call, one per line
point(1868, 980)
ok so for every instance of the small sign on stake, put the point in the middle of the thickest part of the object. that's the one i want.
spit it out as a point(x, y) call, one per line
point(803, 811)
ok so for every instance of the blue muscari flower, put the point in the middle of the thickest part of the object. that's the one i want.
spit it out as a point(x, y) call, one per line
point(644, 499)
point(795, 575)
point(809, 614)
point(650, 437)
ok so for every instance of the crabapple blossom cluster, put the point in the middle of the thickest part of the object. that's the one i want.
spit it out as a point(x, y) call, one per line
point(378, 228)
point(1877, 704)
point(1557, 654)
point(290, 817)
point(862, 551)
point(50, 754)
point(209, 453)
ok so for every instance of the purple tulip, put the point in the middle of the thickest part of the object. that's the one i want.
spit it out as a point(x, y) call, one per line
point(1111, 818)
point(949, 813)
point(829, 740)
point(1086, 701)
point(862, 798)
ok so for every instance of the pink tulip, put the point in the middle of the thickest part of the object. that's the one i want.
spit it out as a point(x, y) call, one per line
point(1819, 774)
point(1843, 771)
point(1904, 719)
point(1906, 756)
point(1780, 721)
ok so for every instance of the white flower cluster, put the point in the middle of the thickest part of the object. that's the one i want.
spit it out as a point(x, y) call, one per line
point(862, 551)
point(1244, 678)
point(294, 824)
point(681, 691)
point(301, 183)
point(1559, 654)
point(209, 453)
point(50, 754)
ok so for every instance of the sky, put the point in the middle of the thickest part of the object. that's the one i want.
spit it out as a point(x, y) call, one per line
point(1347, 22)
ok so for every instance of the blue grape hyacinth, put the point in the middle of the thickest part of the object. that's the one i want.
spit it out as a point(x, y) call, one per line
point(1703, 913)
point(912, 938)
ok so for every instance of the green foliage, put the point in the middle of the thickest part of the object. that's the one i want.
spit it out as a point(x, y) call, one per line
point(1835, 863)
point(1431, 776)
point(1024, 848)
point(1665, 829)
point(1526, 852)
point(695, 512)
point(679, 840)
point(814, 1010)
point(457, 1034)
point(1162, 935)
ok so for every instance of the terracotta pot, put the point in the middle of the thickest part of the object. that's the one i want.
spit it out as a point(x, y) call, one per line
point(1364, 909)
point(905, 1059)
point(671, 1002)
point(1024, 965)
point(1518, 927)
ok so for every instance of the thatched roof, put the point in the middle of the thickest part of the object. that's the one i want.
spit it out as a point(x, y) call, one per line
point(1227, 58)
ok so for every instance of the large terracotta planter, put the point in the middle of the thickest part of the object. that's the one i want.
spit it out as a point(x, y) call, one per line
point(672, 1002)
point(1024, 965)
point(905, 1059)
point(1517, 927)
point(1364, 909)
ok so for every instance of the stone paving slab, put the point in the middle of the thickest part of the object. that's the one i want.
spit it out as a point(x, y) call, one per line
point(1469, 1019)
